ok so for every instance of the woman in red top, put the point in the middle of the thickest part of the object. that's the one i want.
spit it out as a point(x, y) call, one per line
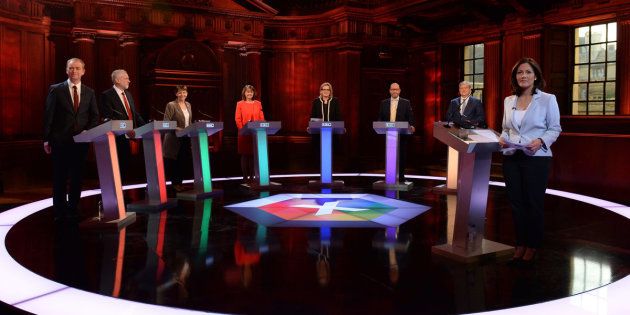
point(247, 110)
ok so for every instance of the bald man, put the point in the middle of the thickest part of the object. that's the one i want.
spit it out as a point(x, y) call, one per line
point(396, 108)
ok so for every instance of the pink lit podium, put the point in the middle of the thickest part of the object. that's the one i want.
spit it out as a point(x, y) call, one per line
point(103, 137)
point(392, 132)
point(198, 133)
point(151, 135)
point(475, 147)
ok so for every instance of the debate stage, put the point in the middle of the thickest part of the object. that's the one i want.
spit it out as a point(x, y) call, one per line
point(234, 253)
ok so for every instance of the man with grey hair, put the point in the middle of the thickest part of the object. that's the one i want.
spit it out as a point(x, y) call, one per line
point(70, 109)
point(466, 110)
point(117, 104)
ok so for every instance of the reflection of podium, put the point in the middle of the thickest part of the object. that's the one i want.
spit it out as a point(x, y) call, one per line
point(259, 131)
point(104, 138)
point(326, 129)
point(151, 135)
point(392, 132)
point(198, 133)
point(475, 156)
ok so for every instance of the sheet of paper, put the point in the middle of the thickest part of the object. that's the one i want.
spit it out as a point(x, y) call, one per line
point(483, 135)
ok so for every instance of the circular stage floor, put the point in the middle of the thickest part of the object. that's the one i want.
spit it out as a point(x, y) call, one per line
point(324, 256)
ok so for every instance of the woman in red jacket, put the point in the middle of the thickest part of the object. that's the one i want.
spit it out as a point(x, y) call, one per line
point(248, 109)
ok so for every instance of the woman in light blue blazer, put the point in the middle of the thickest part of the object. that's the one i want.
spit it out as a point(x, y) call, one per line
point(531, 124)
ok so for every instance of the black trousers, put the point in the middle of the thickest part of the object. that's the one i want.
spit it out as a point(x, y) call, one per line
point(526, 182)
point(177, 169)
point(124, 157)
point(68, 162)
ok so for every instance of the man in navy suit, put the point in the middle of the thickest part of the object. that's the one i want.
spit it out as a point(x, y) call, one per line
point(393, 109)
point(466, 110)
point(70, 109)
point(117, 104)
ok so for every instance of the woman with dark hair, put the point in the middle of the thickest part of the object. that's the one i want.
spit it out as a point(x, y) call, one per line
point(177, 150)
point(247, 109)
point(531, 124)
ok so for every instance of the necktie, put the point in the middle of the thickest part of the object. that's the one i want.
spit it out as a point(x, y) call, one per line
point(463, 106)
point(75, 98)
point(127, 108)
point(392, 111)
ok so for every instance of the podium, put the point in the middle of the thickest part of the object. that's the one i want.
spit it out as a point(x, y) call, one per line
point(151, 135)
point(104, 139)
point(475, 147)
point(326, 129)
point(198, 133)
point(259, 131)
point(392, 132)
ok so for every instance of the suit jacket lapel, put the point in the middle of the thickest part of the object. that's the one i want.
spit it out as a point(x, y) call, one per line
point(66, 92)
point(83, 98)
point(119, 103)
point(512, 109)
point(531, 108)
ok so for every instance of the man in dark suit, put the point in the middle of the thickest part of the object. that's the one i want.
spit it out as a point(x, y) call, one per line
point(117, 104)
point(393, 109)
point(70, 109)
point(466, 110)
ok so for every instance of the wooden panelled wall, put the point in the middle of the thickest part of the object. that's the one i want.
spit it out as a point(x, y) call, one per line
point(287, 58)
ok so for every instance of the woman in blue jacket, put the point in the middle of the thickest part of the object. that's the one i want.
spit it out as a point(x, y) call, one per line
point(531, 124)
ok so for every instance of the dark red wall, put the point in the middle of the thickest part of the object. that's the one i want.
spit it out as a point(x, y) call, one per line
point(359, 51)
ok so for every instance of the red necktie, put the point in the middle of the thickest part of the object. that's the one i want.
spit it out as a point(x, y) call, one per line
point(127, 108)
point(75, 98)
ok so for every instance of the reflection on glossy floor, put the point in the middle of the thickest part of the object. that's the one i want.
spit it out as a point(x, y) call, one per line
point(205, 257)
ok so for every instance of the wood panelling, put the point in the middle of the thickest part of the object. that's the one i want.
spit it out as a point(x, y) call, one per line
point(216, 50)
point(623, 65)
point(557, 71)
point(11, 76)
point(592, 164)
point(492, 93)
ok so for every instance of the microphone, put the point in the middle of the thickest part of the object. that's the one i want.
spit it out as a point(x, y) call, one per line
point(157, 110)
point(205, 115)
point(106, 119)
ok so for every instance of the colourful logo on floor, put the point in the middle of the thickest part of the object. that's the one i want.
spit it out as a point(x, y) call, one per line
point(342, 210)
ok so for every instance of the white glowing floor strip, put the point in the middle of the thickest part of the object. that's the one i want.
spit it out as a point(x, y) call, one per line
point(28, 291)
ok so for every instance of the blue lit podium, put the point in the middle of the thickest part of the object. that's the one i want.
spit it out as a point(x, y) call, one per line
point(259, 131)
point(475, 147)
point(326, 129)
point(198, 133)
point(392, 132)
point(151, 135)
point(103, 137)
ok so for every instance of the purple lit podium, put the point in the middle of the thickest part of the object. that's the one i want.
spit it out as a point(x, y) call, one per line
point(475, 147)
point(326, 129)
point(198, 133)
point(151, 135)
point(392, 132)
point(259, 131)
point(103, 137)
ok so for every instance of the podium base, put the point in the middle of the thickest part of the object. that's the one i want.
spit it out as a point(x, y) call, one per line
point(319, 184)
point(97, 223)
point(152, 206)
point(443, 190)
point(256, 186)
point(382, 185)
point(198, 195)
point(487, 250)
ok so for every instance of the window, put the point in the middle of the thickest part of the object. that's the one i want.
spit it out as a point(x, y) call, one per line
point(473, 68)
point(594, 71)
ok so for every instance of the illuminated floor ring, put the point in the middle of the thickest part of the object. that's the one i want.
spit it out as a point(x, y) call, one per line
point(33, 293)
